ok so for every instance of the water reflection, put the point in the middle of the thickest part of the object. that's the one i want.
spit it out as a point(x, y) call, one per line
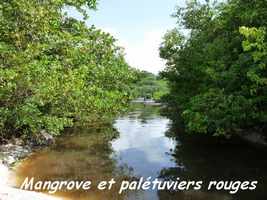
point(210, 159)
point(144, 143)
point(143, 146)
point(82, 154)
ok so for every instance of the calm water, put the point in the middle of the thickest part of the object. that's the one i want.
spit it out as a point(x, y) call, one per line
point(143, 143)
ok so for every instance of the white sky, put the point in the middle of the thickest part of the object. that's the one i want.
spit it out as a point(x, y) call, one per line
point(138, 25)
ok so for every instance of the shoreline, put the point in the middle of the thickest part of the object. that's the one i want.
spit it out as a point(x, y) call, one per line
point(10, 155)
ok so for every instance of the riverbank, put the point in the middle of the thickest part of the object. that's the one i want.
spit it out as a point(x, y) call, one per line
point(143, 143)
point(10, 154)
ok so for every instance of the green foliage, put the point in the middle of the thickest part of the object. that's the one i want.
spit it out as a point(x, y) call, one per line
point(150, 86)
point(218, 113)
point(54, 70)
point(217, 72)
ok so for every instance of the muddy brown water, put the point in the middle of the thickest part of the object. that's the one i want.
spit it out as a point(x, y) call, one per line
point(143, 143)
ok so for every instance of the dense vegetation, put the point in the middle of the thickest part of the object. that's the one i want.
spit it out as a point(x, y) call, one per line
point(54, 70)
point(150, 86)
point(217, 68)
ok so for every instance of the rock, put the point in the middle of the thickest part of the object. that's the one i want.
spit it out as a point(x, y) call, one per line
point(18, 141)
point(42, 139)
point(255, 139)
point(9, 160)
point(11, 153)
point(47, 137)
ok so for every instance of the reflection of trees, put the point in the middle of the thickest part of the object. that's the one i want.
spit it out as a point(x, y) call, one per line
point(143, 112)
point(208, 158)
point(83, 154)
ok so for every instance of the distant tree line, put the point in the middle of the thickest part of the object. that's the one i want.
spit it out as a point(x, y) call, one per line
point(150, 86)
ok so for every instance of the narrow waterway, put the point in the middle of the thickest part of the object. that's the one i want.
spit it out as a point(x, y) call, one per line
point(141, 143)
